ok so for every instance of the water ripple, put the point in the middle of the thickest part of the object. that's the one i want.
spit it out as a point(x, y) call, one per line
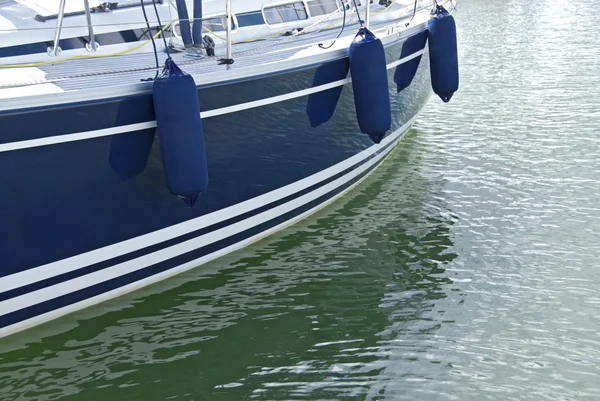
point(464, 269)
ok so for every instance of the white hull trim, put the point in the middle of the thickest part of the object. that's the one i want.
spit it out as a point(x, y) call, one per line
point(57, 290)
point(80, 261)
point(53, 140)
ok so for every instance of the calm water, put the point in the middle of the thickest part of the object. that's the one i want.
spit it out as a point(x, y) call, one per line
point(466, 268)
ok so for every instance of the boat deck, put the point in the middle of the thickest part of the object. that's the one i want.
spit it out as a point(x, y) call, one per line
point(99, 72)
point(128, 74)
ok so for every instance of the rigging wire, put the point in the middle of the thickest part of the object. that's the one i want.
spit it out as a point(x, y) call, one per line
point(160, 28)
point(52, 28)
point(85, 57)
point(152, 38)
point(360, 20)
point(163, 29)
point(414, 13)
point(339, 34)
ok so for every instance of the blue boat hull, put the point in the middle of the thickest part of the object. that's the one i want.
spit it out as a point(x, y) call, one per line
point(87, 220)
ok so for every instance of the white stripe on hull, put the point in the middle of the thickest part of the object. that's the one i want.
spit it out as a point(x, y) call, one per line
point(77, 262)
point(91, 279)
point(53, 140)
point(340, 49)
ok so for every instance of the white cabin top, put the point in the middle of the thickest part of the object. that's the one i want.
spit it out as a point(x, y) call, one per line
point(28, 26)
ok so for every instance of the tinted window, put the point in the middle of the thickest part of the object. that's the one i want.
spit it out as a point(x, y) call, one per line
point(320, 7)
point(286, 13)
point(217, 24)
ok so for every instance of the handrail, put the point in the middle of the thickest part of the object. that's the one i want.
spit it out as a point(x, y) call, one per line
point(104, 7)
point(56, 50)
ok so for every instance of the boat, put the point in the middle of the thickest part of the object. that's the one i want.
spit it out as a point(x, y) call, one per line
point(90, 166)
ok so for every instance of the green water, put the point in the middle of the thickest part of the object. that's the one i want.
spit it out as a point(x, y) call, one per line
point(465, 268)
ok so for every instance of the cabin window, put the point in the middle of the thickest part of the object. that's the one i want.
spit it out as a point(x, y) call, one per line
point(286, 13)
point(218, 23)
point(320, 7)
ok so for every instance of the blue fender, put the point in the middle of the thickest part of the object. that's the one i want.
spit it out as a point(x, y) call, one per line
point(443, 54)
point(368, 68)
point(180, 132)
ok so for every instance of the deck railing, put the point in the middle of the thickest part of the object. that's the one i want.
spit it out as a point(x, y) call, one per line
point(55, 50)
point(92, 46)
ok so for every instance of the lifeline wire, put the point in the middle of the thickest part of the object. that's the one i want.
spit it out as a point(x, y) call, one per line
point(153, 43)
point(414, 13)
point(339, 34)
point(160, 28)
point(357, 13)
